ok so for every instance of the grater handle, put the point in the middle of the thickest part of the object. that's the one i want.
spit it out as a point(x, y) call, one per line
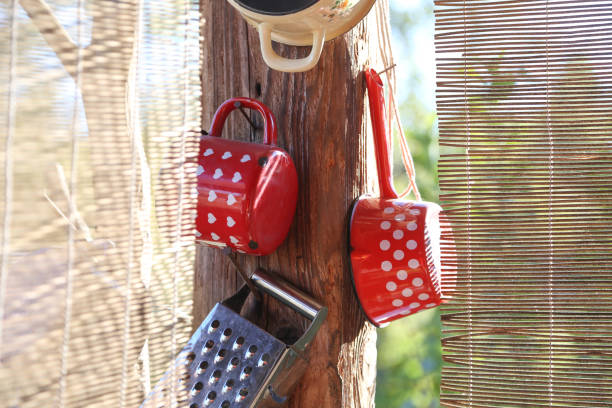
point(288, 294)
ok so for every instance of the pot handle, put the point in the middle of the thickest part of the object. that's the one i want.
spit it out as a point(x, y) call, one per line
point(376, 98)
point(270, 131)
point(279, 63)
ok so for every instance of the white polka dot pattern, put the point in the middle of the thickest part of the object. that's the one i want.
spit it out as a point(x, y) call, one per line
point(391, 286)
point(230, 222)
point(218, 174)
point(385, 245)
point(212, 196)
point(211, 218)
point(398, 234)
point(200, 170)
point(208, 152)
point(385, 225)
point(402, 275)
point(231, 199)
point(423, 296)
point(389, 210)
point(400, 217)
point(411, 244)
point(397, 302)
point(226, 155)
point(214, 236)
point(398, 255)
point(245, 158)
point(413, 263)
point(237, 177)
point(412, 226)
point(417, 282)
point(407, 292)
point(414, 305)
point(386, 266)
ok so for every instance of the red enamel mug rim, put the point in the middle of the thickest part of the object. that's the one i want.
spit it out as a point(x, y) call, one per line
point(270, 136)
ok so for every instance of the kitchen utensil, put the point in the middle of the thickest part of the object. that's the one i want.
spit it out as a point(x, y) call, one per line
point(231, 362)
point(300, 22)
point(247, 192)
point(394, 243)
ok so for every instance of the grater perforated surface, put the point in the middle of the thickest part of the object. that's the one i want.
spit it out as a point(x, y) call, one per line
point(227, 359)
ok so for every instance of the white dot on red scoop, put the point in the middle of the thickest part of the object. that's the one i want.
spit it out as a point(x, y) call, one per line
point(398, 255)
point(397, 303)
point(423, 296)
point(412, 226)
point(391, 286)
point(400, 217)
point(417, 282)
point(386, 266)
point(385, 225)
point(384, 245)
point(398, 234)
point(431, 305)
point(415, 212)
point(413, 263)
point(402, 275)
point(407, 292)
point(411, 244)
point(414, 305)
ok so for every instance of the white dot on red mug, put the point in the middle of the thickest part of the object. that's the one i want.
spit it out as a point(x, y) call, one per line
point(397, 303)
point(391, 286)
point(388, 210)
point(411, 226)
point(385, 225)
point(208, 152)
point(214, 236)
point(398, 255)
point(398, 234)
point(245, 158)
point(230, 199)
point(414, 305)
point(407, 292)
point(417, 282)
point(218, 174)
point(200, 170)
point(385, 245)
point(386, 266)
point(402, 275)
point(411, 244)
point(211, 218)
point(423, 296)
point(413, 263)
point(431, 305)
point(233, 239)
point(230, 222)
point(415, 212)
point(400, 217)
point(237, 177)
point(212, 196)
point(198, 233)
point(226, 155)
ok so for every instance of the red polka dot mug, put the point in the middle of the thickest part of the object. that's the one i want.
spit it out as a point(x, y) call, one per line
point(247, 192)
point(394, 243)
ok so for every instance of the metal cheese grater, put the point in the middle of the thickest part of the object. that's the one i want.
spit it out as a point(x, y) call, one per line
point(230, 362)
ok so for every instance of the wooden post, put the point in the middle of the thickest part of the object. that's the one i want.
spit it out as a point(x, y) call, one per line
point(322, 123)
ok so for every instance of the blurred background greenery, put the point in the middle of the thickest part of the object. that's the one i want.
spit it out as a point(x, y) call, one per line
point(409, 351)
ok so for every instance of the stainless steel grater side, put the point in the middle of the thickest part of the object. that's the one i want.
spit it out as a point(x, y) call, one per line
point(231, 362)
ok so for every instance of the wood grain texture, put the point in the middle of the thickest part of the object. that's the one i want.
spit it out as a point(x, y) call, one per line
point(322, 124)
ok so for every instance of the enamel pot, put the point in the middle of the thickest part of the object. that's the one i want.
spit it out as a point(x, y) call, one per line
point(247, 192)
point(394, 243)
point(300, 22)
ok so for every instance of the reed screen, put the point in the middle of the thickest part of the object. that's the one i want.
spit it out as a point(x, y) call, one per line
point(525, 118)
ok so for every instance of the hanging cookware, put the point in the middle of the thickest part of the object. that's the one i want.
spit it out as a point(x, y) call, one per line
point(395, 243)
point(300, 22)
point(247, 192)
point(231, 362)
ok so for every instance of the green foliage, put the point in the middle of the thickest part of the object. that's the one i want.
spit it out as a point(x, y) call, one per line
point(409, 351)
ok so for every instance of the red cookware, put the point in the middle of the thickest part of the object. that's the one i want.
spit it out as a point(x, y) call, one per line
point(247, 192)
point(394, 243)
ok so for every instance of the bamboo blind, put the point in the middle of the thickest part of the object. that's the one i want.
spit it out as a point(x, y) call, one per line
point(100, 121)
point(525, 119)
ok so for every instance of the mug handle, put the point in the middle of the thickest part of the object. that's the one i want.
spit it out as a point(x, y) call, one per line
point(270, 132)
point(279, 63)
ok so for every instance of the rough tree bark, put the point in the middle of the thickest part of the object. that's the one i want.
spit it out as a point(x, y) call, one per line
point(322, 123)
